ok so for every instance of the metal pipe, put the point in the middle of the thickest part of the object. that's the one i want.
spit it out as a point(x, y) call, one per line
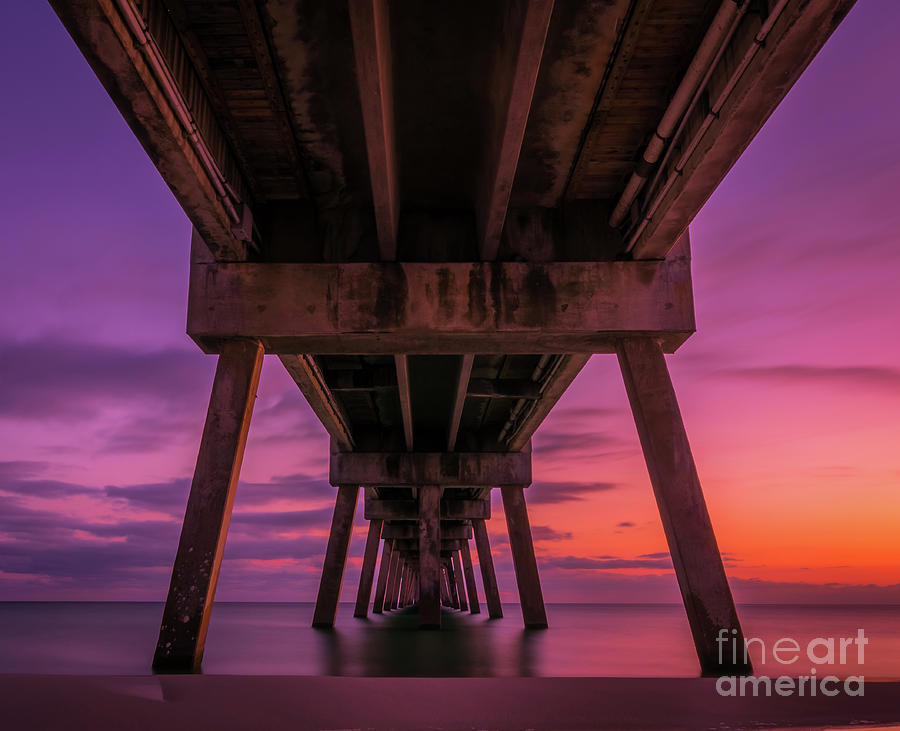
point(698, 95)
point(536, 375)
point(169, 86)
point(713, 38)
point(715, 108)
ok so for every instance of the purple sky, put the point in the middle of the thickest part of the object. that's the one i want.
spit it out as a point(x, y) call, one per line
point(790, 389)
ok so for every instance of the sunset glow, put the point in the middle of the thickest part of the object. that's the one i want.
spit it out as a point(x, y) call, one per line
point(790, 389)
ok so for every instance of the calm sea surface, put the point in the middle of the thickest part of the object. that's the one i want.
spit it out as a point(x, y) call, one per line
point(583, 640)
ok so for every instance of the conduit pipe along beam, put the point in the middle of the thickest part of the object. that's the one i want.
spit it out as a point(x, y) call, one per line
point(176, 100)
point(714, 37)
point(714, 110)
point(536, 376)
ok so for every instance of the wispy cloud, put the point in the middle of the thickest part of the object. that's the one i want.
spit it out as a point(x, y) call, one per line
point(805, 374)
point(606, 563)
point(64, 380)
point(49, 533)
point(560, 492)
point(583, 443)
point(546, 533)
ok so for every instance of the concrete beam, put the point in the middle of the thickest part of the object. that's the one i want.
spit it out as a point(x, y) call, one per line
point(408, 531)
point(459, 398)
point(689, 532)
point(446, 469)
point(503, 307)
point(520, 47)
point(451, 509)
point(182, 635)
point(401, 362)
point(409, 546)
point(370, 25)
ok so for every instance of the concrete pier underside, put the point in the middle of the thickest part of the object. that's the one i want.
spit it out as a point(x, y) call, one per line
point(434, 243)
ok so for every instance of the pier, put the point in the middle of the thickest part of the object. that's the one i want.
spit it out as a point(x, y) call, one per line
point(434, 214)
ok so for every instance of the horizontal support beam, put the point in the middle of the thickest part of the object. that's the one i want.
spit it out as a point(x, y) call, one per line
point(410, 546)
point(376, 509)
point(370, 25)
point(410, 531)
point(444, 469)
point(502, 307)
point(519, 48)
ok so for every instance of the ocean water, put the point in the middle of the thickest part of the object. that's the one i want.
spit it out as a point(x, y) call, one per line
point(612, 640)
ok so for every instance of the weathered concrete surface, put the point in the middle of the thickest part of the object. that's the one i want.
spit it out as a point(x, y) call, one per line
point(393, 578)
point(508, 307)
point(372, 50)
point(182, 634)
point(451, 509)
point(470, 578)
point(689, 532)
point(517, 60)
point(453, 469)
point(336, 556)
point(522, 547)
point(367, 572)
point(460, 582)
point(488, 576)
point(383, 574)
point(429, 557)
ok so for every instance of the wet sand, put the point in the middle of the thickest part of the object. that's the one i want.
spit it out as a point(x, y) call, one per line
point(257, 702)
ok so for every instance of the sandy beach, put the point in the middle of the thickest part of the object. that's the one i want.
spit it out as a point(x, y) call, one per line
point(235, 702)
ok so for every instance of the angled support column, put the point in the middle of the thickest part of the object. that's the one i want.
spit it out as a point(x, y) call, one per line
point(522, 547)
point(429, 557)
point(182, 634)
point(398, 583)
point(692, 543)
point(393, 578)
point(451, 583)
point(336, 556)
point(486, 563)
point(460, 583)
point(404, 589)
point(470, 577)
point(367, 575)
point(383, 570)
point(407, 589)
